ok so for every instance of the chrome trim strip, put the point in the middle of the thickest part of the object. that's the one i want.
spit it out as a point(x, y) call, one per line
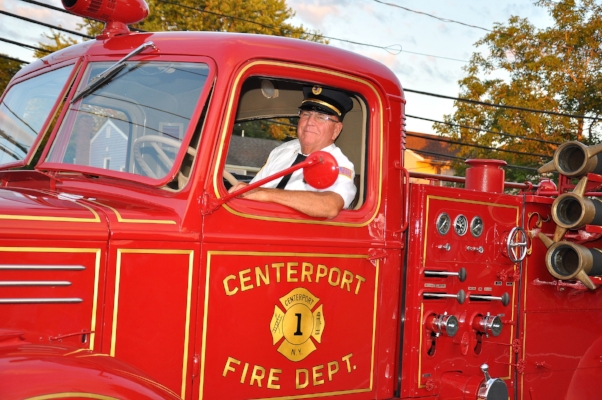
point(35, 283)
point(40, 300)
point(43, 267)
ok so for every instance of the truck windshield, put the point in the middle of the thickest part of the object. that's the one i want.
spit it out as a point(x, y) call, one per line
point(24, 110)
point(135, 123)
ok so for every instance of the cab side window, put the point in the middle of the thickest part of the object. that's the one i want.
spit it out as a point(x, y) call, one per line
point(267, 116)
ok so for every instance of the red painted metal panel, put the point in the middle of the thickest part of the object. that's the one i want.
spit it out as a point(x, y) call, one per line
point(561, 324)
point(428, 356)
point(52, 294)
point(289, 324)
point(151, 314)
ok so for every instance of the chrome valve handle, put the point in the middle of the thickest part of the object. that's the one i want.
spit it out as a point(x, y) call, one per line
point(488, 324)
point(505, 298)
point(516, 244)
point(485, 369)
point(492, 389)
point(443, 324)
point(460, 296)
point(477, 249)
point(461, 274)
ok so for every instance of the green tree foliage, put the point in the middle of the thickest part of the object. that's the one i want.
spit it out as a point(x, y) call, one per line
point(558, 68)
point(281, 129)
point(266, 17)
point(7, 69)
point(58, 42)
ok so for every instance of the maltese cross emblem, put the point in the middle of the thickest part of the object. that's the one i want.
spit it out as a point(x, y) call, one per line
point(299, 325)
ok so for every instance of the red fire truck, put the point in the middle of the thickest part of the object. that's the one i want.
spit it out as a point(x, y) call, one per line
point(127, 270)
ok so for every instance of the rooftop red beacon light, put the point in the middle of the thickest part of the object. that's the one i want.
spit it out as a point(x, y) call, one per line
point(116, 15)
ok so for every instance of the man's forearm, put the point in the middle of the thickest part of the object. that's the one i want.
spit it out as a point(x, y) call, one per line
point(315, 204)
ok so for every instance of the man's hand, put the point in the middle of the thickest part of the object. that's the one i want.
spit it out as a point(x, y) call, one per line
point(237, 186)
point(254, 194)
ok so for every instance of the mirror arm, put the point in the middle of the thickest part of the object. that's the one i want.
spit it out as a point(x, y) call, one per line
point(309, 161)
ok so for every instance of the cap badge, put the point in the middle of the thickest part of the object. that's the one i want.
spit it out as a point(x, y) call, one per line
point(316, 90)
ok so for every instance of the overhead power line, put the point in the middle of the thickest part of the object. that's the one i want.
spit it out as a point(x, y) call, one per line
point(485, 130)
point(37, 3)
point(463, 159)
point(33, 21)
point(483, 103)
point(24, 45)
point(478, 146)
point(394, 49)
point(432, 16)
point(430, 55)
point(13, 59)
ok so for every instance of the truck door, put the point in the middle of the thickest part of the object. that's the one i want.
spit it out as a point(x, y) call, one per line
point(291, 303)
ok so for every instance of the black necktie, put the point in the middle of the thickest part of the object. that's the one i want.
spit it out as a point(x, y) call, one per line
point(286, 178)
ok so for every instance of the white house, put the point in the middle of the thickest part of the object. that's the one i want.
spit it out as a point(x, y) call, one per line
point(108, 148)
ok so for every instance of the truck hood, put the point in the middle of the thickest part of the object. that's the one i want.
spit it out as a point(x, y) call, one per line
point(33, 213)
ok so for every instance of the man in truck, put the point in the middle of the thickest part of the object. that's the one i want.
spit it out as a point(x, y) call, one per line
point(321, 116)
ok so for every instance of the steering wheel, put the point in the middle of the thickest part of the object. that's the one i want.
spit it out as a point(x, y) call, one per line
point(163, 159)
point(516, 244)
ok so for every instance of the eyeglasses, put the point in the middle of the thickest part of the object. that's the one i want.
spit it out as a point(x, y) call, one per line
point(318, 116)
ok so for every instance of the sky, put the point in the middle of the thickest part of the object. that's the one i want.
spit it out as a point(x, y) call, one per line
point(433, 53)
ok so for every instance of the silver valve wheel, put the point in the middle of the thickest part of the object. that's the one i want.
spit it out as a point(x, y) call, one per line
point(516, 244)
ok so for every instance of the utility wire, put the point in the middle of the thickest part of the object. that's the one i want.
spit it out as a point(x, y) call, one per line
point(479, 146)
point(24, 45)
point(13, 59)
point(432, 16)
point(430, 55)
point(484, 130)
point(51, 7)
point(394, 49)
point(46, 25)
point(463, 159)
point(482, 103)
point(59, 9)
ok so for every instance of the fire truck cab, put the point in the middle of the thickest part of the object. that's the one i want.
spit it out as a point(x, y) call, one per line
point(128, 271)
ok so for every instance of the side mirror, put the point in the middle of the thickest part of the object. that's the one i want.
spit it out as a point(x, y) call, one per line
point(320, 170)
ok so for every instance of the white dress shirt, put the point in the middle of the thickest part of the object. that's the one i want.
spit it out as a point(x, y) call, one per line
point(283, 156)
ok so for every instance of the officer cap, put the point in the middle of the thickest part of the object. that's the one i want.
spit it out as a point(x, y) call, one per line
point(324, 100)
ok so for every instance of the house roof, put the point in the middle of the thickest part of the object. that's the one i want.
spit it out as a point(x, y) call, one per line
point(430, 147)
point(107, 125)
point(250, 151)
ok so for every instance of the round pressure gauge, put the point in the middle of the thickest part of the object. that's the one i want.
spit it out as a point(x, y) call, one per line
point(461, 225)
point(443, 223)
point(476, 226)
